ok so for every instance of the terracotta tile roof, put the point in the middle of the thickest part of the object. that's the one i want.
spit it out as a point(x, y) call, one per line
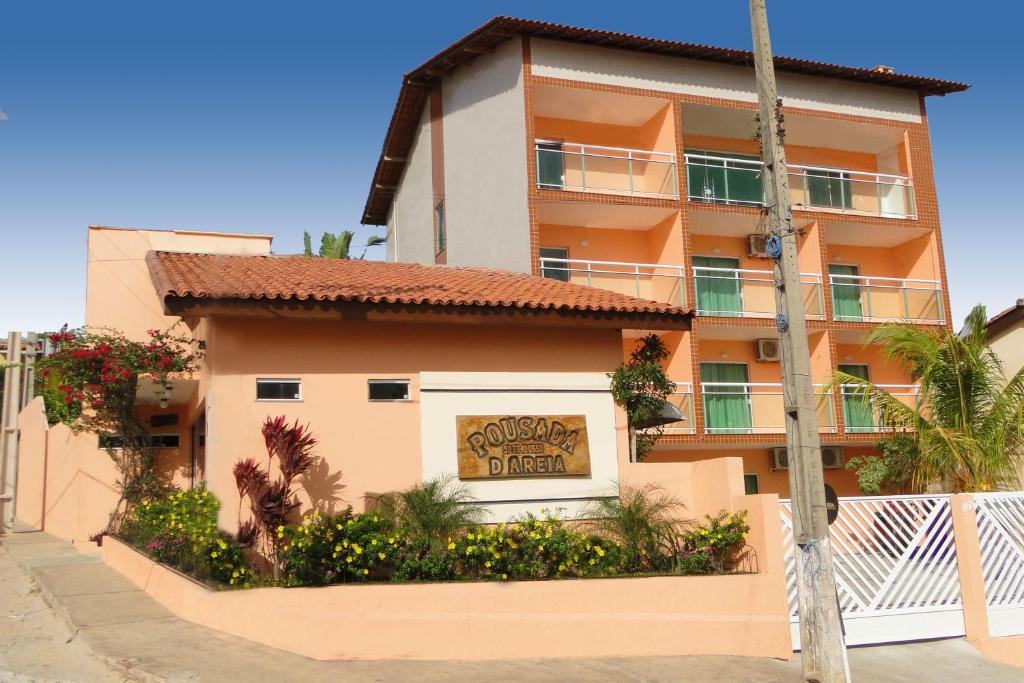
point(178, 275)
point(417, 83)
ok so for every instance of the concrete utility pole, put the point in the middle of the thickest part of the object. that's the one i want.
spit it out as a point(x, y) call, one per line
point(9, 431)
point(821, 637)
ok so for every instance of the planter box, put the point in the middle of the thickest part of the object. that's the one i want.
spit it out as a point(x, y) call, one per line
point(652, 616)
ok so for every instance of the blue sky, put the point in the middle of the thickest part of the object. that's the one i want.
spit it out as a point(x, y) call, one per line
point(268, 117)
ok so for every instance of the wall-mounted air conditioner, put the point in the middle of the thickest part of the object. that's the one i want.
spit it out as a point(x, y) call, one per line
point(756, 245)
point(769, 350)
point(831, 458)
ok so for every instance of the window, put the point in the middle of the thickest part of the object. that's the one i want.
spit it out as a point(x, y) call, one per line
point(550, 165)
point(554, 270)
point(389, 390)
point(857, 412)
point(727, 408)
point(278, 390)
point(846, 292)
point(830, 189)
point(151, 441)
point(440, 229)
point(723, 177)
point(750, 486)
point(718, 286)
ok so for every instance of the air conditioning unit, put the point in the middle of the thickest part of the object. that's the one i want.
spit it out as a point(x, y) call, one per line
point(769, 350)
point(780, 459)
point(756, 245)
point(831, 458)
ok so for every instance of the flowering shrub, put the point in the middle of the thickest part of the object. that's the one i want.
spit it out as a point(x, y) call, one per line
point(714, 544)
point(271, 502)
point(532, 548)
point(339, 549)
point(180, 529)
point(90, 384)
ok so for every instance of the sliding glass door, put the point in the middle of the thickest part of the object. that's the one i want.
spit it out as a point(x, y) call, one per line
point(846, 292)
point(857, 413)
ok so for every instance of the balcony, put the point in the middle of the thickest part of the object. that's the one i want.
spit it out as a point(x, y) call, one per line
point(605, 170)
point(755, 408)
point(857, 298)
point(737, 180)
point(861, 417)
point(746, 293)
point(664, 283)
point(682, 398)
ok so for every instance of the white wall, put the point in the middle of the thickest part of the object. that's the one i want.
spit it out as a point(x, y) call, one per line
point(445, 395)
point(709, 79)
point(1009, 346)
point(485, 162)
point(410, 220)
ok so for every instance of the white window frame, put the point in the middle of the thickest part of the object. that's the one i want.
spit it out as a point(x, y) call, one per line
point(383, 380)
point(278, 380)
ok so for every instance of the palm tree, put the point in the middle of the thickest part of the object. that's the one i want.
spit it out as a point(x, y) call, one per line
point(968, 426)
point(337, 246)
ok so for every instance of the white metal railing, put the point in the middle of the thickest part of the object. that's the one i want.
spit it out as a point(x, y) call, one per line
point(860, 298)
point(757, 408)
point(1000, 519)
point(897, 576)
point(727, 180)
point(862, 417)
point(747, 293)
point(682, 399)
point(654, 281)
point(609, 170)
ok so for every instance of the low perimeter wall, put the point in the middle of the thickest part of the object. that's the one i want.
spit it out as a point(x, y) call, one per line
point(740, 614)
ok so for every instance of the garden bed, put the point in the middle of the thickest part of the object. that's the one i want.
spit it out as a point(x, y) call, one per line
point(733, 614)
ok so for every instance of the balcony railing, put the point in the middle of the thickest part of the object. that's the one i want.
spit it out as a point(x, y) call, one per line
point(682, 398)
point(607, 170)
point(861, 417)
point(652, 281)
point(857, 298)
point(755, 408)
point(728, 180)
point(746, 293)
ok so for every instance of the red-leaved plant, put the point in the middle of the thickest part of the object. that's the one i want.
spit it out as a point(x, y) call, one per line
point(271, 502)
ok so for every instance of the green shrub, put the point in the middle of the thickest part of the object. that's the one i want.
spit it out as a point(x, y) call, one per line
point(532, 548)
point(431, 512)
point(180, 530)
point(646, 521)
point(719, 539)
point(344, 548)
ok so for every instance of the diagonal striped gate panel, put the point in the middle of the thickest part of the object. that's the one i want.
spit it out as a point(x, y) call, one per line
point(1000, 519)
point(896, 571)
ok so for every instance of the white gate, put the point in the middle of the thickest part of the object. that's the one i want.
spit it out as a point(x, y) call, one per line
point(1001, 538)
point(895, 566)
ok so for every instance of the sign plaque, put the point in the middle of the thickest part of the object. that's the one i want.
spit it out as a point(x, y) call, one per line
point(510, 446)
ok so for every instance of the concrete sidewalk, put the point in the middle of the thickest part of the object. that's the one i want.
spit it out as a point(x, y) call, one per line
point(138, 639)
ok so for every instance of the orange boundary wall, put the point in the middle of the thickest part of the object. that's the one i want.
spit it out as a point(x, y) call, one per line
point(726, 615)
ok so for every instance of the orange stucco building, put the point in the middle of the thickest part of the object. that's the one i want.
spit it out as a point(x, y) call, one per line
point(632, 164)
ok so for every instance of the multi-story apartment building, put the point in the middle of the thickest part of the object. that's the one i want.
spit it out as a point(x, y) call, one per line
point(632, 164)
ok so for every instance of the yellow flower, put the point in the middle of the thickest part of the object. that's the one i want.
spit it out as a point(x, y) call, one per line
point(599, 550)
point(487, 563)
point(349, 559)
point(380, 555)
point(365, 572)
point(337, 548)
point(504, 576)
point(373, 542)
point(221, 544)
point(213, 554)
point(234, 574)
point(451, 546)
point(338, 526)
point(280, 529)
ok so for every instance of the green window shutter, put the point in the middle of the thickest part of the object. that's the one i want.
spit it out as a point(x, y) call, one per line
point(846, 293)
point(718, 292)
point(726, 409)
point(550, 166)
point(857, 412)
point(750, 485)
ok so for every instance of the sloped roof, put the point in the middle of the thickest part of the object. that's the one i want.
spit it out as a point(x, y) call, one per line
point(417, 83)
point(186, 276)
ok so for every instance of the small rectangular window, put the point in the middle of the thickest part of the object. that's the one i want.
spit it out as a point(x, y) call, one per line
point(750, 484)
point(440, 230)
point(278, 390)
point(389, 389)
